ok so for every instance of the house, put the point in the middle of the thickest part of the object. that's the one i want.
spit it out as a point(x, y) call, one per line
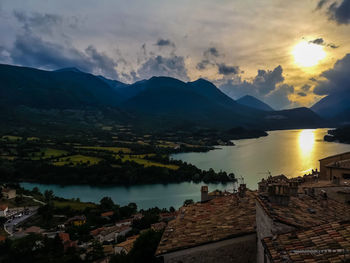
point(8, 193)
point(67, 243)
point(158, 226)
point(322, 243)
point(126, 246)
point(221, 229)
point(110, 234)
point(335, 166)
point(280, 211)
point(108, 250)
point(125, 222)
point(76, 221)
point(107, 215)
point(166, 217)
point(3, 210)
point(96, 231)
point(34, 230)
point(137, 216)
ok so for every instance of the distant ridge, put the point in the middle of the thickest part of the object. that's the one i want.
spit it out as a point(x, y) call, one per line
point(156, 103)
point(255, 103)
point(73, 69)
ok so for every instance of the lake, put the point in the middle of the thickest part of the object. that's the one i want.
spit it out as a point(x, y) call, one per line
point(289, 152)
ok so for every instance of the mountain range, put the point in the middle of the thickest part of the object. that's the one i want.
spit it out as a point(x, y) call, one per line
point(159, 102)
point(255, 103)
point(334, 107)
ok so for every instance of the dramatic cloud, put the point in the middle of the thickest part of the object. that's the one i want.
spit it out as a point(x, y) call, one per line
point(266, 81)
point(165, 43)
point(306, 87)
point(278, 98)
point(267, 86)
point(337, 11)
point(203, 64)
point(321, 42)
point(337, 78)
point(317, 41)
point(212, 51)
point(31, 50)
point(37, 21)
point(227, 70)
point(173, 66)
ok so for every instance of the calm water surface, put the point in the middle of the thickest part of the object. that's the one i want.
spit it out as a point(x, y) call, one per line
point(291, 152)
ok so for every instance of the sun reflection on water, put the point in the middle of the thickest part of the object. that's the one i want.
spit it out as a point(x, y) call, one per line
point(306, 142)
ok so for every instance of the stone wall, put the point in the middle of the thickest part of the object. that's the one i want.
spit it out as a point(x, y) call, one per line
point(239, 249)
point(323, 170)
point(266, 227)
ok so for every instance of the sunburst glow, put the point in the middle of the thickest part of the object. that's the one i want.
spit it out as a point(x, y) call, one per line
point(308, 54)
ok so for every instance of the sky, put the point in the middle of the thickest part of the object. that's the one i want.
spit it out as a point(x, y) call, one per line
point(286, 53)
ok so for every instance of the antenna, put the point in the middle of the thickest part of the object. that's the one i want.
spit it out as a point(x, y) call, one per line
point(267, 173)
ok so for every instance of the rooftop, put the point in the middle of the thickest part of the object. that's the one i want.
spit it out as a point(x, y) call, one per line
point(128, 244)
point(218, 219)
point(336, 155)
point(344, 164)
point(305, 211)
point(106, 214)
point(297, 246)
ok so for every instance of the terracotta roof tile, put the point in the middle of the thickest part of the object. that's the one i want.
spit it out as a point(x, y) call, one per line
point(218, 219)
point(311, 245)
point(306, 211)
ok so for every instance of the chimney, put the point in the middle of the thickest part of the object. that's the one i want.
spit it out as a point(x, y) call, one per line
point(324, 198)
point(204, 193)
point(293, 188)
point(262, 186)
point(241, 190)
point(279, 193)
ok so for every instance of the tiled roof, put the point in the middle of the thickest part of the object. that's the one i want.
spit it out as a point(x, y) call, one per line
point(3, 207)
point(109, 213)
point(128, 244)
point(33, 229)
point(311, 245)
point(64, 236)
point(201, 223)
point(305, 211)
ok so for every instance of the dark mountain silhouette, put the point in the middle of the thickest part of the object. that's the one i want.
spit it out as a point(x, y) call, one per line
point(253, 102)
point(159, 102)
point(54, 89)
point(335, 106)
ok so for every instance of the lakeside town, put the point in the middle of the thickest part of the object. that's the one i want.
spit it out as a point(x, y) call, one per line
point(303, 219)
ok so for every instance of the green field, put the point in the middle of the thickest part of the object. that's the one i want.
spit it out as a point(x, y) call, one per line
point(144, 162)
point(111, 149)
point(80, 206)
point(77, 160)
point(11, 138)
point(48, 153)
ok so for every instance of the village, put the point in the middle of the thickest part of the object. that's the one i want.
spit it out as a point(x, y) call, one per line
point(303, 219)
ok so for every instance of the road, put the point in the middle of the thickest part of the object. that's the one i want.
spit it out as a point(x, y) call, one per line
point(14, 221)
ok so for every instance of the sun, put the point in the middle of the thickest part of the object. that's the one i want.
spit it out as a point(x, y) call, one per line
point(308, 54)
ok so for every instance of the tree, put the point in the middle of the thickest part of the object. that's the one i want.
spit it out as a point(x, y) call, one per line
point(106, 203)
point(172, 209)
point(48, 194)
point(145, 247)
point(96, 252)
point(188, 202)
